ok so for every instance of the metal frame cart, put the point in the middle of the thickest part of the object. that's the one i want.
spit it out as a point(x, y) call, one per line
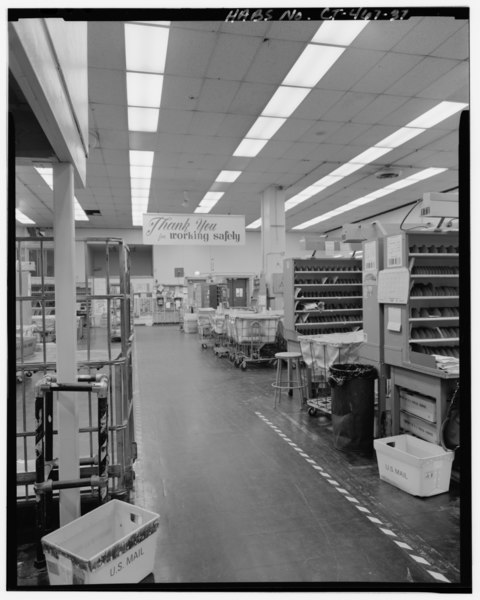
point(105, 298)
point(220, 347)
point(255, 337)
point(319, 353)
point(205, 327)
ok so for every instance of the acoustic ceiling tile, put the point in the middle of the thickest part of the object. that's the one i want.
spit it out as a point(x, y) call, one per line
point(232, 57)
point(386, 73)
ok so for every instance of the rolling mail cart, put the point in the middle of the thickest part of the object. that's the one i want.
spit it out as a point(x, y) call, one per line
point(319, 353)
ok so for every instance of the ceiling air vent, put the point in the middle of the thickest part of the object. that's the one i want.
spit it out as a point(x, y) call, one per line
point(388, 174)
point(92, 212)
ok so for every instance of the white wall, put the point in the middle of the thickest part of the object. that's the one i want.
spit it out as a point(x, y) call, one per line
point(217, 260)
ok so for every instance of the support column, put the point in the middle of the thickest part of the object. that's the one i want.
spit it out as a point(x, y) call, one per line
point(273, 244)
point(66, 336)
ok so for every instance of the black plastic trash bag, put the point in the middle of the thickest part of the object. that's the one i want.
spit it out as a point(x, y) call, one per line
point(353, 406)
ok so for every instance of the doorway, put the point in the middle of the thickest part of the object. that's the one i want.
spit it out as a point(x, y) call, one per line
point(237, 292)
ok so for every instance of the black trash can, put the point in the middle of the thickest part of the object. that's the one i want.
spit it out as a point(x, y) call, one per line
point(353, 406)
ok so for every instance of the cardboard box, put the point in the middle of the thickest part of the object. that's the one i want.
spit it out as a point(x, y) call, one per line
point(416, 404)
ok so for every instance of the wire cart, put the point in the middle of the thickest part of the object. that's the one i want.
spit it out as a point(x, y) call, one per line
point(219, 324)
point(97, 354)
point(255, 337)
point(205, 327)
point(319, 353)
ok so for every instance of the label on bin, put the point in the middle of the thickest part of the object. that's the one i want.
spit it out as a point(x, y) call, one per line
point(391, 469)
point(126, 561)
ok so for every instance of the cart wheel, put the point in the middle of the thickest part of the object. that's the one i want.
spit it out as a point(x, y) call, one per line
point(29, 373)
point(244, 366)
point(312, 411)
point(204, 346)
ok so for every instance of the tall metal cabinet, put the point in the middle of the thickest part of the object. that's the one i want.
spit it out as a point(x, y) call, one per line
point(419, 288)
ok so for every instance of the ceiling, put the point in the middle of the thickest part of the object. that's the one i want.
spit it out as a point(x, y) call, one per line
point(219, 77)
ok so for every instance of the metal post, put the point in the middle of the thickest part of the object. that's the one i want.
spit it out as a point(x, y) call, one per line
point(40, 508)
point(48, 419)
point(66, 336)
point(103, 443)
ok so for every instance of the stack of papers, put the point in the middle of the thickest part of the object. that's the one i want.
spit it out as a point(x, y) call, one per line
point(449, 364)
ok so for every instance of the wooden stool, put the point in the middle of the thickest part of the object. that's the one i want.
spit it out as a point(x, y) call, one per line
point(294, 376)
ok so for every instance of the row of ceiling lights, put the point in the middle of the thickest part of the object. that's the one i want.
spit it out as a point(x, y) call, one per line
point(146, 46)
point(326, 46)
point(316, 59)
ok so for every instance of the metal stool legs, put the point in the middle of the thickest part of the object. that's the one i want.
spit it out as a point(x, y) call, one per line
point(294, 381)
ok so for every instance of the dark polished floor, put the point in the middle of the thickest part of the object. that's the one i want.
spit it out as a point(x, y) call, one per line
point(249, 493)
point(239, 503)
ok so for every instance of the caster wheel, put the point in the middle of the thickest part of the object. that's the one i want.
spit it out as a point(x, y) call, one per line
point(312, 412)
point(204, 346)
point(244, 366)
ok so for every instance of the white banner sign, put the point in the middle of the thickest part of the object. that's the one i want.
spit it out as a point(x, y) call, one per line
point(194, 230)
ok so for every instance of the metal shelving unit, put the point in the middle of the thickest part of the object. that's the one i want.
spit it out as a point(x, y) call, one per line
point(322, 295)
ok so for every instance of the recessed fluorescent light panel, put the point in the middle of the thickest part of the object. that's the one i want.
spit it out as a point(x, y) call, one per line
point(248, 147)
point(146, 48)
point(47, 175)
point(346, 169)
point(228, 176)
point(312, 65)
point(145, 56)
point(265, 128)
point(144, 89)
point(78, 212)
point(305, 194)
point(399, 137)
point(140, 183)
point(140, 193)
point(141, 157)
point(328, 180)
point(143, 119)
point(369, 155)
point(437, 114)
point(425, 174)
point(254, 224)
point(208, 202)
point(338, 33)
point(140, 172)
point(285, 101)
point(19, 216)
